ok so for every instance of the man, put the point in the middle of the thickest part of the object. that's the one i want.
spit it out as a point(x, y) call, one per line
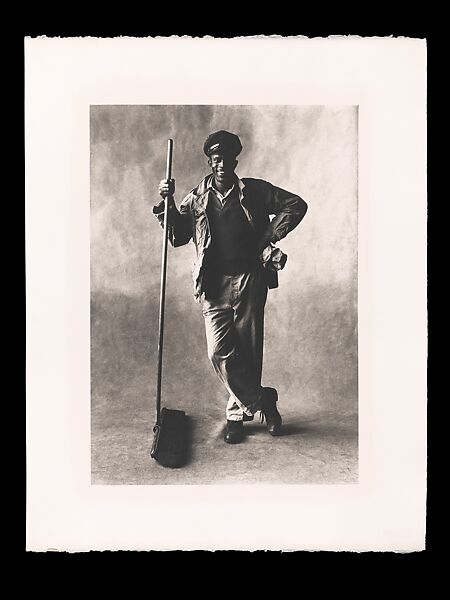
point(229, 222)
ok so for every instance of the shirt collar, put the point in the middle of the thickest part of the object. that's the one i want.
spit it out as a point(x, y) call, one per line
point(239, 182)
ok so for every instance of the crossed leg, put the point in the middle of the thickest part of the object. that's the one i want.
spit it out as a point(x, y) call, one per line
point(234, 323)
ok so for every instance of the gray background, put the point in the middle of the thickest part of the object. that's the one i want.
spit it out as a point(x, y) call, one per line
point(311, 319)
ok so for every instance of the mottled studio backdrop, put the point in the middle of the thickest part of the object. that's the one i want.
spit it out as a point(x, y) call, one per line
point(311, 319)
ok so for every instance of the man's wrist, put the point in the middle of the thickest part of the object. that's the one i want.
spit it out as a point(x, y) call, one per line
point(159, 208)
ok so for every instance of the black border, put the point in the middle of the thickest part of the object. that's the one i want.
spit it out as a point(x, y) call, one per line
point(251, 563)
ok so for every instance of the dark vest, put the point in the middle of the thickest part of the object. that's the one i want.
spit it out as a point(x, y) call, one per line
point(233, 241)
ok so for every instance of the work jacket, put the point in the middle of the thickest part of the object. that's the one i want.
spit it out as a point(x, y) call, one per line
point(259, 200)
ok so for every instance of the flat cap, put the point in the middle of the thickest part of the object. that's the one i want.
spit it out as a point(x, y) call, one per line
point(222, 142)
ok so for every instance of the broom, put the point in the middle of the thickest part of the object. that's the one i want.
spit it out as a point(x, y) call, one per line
point(169, 447)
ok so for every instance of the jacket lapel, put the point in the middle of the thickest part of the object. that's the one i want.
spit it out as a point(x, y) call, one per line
point(201, 194)
point(242, 200)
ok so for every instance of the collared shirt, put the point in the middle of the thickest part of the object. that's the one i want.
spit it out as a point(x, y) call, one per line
point(223, 197)
point(220, 196)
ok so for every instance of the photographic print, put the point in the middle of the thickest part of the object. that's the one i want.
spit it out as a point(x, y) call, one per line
point(226, 294)
point(231, 357)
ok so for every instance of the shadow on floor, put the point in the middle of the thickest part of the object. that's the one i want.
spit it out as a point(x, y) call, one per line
point(287, 429)
point(309, 427)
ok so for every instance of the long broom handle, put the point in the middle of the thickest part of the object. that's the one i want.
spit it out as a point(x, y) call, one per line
point(163, 284)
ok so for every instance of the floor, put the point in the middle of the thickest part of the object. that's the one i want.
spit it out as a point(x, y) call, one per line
point(316, 447)
point(317, 391)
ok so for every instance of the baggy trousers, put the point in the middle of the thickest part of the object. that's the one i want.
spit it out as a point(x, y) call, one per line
point(234, 323)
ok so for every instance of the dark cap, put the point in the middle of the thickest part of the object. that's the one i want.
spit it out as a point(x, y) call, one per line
point(222, 142)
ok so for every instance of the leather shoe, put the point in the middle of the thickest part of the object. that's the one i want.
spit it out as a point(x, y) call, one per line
point(234, 432)
point(269, 411)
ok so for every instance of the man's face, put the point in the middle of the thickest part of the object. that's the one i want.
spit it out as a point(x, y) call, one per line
point(222, 166)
